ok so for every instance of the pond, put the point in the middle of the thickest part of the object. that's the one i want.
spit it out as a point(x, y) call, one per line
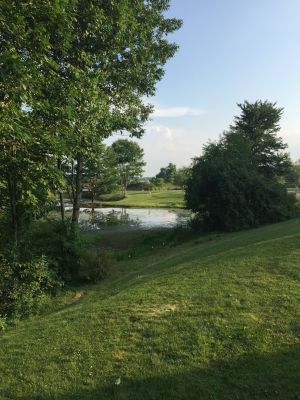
point(122, 219)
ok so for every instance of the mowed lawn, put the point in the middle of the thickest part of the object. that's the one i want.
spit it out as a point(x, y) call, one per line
point(215, 318)
point(163, 199)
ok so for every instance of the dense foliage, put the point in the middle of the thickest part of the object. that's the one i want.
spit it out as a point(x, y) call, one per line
point(238, 181)
point(24, 285)
point(72, 73)
point(173, 175)
point(129, 161)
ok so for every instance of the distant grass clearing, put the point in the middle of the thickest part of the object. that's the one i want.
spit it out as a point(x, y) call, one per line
point(167, 198)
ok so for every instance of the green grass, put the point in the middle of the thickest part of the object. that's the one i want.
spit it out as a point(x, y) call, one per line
point(214, 318)
point(163, 199)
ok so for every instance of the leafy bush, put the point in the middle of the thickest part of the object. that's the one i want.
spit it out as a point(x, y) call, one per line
point(25, 286)
point(111, 197)
point(142, 185)
point(92, 266)
point(74, 258)
point(70, 255)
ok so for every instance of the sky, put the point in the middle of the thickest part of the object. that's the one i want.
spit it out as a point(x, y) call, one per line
point(229, 51)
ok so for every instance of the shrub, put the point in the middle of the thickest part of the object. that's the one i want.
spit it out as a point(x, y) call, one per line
point(70, 254)
point(92, 266)
point(2, 323)
point(143, 185)
point(75, 259)
point(25, 286)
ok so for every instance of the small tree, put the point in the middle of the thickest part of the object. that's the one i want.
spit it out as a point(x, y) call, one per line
point(158, 182)
point(101, 174)
point(167, 173)
point(129, 160)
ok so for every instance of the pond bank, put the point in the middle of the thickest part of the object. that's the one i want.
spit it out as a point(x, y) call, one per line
point(142, 199)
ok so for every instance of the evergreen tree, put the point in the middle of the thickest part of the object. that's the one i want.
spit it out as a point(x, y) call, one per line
point(237, 182)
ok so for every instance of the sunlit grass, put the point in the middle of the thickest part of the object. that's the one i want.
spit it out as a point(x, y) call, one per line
point(166, 198)
point(214, 318)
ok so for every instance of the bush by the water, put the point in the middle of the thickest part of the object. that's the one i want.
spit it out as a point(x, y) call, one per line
point(92, 266)
point(76, 259)
point(49, 255)
point(25, 286)
point(71, 254)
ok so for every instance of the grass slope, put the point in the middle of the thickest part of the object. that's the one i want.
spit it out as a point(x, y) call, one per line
point(214, 318)
point(162, 199)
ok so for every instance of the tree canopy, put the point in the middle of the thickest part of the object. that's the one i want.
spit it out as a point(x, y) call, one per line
point(236, 183)
point(73, 73)
point(129, 159)
point(167, 173)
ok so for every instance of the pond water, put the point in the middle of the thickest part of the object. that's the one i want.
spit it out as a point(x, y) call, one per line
point(120, 219)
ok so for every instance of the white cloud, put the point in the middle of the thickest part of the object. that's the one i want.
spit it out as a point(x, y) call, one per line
point(165, 131)
point(164, 144)
point(176, 112)
point(167, 140)
point(290, 135)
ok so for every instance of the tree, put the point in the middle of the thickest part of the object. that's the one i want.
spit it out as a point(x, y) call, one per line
point(167, 173)
point(157, 182)
point(129, 159)
point(236, 183)
point(119, 50)
point(26, 166)
point(83, 68)
point(259, 123)
point(101, 174)
point(181, 177)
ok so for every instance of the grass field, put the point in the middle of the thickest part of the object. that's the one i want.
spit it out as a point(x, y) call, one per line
point(162, 199)
point(217, 317)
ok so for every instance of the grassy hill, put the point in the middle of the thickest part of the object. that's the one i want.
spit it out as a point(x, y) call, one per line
point(217, 317)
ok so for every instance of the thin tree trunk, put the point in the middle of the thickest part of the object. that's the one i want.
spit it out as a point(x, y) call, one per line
point(93, 200)
point(61, 197)
point(72, 182)
point(13, 205)
point(62, 206)
point(78, 190)
point(125, 186)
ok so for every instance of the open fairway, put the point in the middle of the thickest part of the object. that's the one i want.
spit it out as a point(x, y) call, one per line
point(161, 199)
point(214, 318)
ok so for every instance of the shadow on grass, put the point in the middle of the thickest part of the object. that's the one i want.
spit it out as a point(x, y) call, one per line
point(256, 377)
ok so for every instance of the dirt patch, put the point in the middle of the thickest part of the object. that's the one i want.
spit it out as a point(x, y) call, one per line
point(77, 296)
point(161, 310)
point(120, 355)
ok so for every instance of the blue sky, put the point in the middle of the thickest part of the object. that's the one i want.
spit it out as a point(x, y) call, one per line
point(230, 51)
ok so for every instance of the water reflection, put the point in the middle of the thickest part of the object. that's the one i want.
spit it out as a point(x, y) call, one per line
point(100, 219)
point(118, 218)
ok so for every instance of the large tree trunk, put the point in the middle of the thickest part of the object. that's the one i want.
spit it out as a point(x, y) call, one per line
point(77, 191)
point(61, 197)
